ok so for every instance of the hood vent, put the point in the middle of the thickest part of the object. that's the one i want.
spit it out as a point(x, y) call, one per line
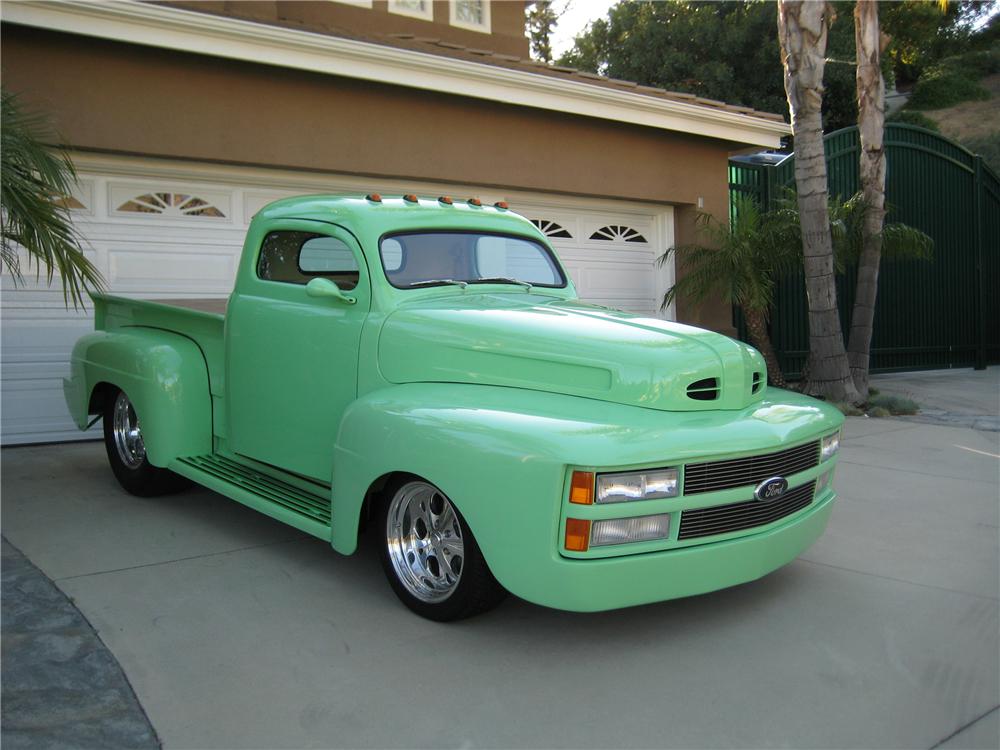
point(758, 382)
point(704, 390)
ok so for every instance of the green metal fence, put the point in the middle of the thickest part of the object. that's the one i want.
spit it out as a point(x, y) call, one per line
point(942, 313)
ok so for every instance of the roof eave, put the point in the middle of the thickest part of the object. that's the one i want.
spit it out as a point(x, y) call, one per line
point(201, 33)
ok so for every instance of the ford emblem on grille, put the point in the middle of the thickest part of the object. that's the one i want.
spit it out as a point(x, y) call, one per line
point(771, 489)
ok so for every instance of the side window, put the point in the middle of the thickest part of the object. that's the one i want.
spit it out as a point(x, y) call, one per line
point(297, 257)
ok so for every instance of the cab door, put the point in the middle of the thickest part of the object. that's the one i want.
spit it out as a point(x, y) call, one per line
point(292, 358)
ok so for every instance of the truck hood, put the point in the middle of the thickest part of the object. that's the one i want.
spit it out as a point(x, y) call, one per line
point(569, 347)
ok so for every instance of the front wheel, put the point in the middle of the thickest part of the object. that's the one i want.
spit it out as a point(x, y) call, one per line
point(430, 556)
point(127, 452)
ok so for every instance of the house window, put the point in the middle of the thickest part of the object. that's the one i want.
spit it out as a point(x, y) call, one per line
point(415, 8)
point(470, 14)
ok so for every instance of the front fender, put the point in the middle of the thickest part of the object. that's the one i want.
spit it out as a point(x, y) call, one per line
point(164, 375)
point(502, 455)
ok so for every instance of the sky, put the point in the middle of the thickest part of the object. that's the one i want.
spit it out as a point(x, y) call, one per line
point(574, 20)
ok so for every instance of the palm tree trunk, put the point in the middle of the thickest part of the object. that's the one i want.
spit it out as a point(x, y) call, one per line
point(802, 31)
point(757, 328)
point(871, 121)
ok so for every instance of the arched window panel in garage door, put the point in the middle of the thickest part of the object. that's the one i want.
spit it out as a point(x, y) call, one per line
point(618, 233)
point(552, 229)
point(169, 202)
point(80, 201)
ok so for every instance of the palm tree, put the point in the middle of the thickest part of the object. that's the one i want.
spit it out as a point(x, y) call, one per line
point(34, 184)
point(871, 174)
point(802, 33)
point(741, 264)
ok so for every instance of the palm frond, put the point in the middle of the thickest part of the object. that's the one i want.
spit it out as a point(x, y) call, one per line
point(739, 263)
point(33, 181)
point(903, 242)
point(847, 221)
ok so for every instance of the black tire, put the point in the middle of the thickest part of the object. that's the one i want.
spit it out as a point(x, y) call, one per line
point(474, 591)
point(131, 467)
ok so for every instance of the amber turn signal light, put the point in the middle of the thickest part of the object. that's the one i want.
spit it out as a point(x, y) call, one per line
point(581, 488)
point(577, 535)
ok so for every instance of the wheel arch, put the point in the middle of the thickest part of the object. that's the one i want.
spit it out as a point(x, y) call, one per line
point(163, 374)
point(414, 430)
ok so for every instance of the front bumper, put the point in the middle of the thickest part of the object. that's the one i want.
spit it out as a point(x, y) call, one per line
point(611, 583)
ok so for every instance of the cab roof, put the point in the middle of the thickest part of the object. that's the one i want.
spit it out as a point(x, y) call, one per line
point(373, 216)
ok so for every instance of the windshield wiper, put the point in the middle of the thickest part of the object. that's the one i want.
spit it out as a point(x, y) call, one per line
point(435, 282)
point(501, 280)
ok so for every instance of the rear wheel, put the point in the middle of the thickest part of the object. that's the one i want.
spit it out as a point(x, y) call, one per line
point(430, 556)
point(127, 451)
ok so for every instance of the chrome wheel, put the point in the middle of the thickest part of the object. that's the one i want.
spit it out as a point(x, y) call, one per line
point(127, 435)
point(424, 541)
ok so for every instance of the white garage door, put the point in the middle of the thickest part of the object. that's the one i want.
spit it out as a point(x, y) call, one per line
point(160, 230)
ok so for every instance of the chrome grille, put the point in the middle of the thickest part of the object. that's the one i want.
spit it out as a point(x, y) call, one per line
point(722, 519)
point(739, 472)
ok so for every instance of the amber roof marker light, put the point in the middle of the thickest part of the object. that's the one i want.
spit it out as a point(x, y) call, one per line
point(502, 205)
point(446, 199)
point(410, 198)
point(374, 197)
point(475, 202)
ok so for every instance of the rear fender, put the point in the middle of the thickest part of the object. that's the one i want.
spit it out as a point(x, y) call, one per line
point(165, 376)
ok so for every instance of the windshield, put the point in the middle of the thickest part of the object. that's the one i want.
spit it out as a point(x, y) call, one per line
point(422, 259)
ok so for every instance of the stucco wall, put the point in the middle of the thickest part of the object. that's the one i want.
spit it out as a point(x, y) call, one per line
point(122, 98)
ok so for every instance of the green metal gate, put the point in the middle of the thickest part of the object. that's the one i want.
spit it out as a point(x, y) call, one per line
point(942, 313)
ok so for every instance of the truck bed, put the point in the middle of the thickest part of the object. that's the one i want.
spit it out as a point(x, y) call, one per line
point(214, 306)
point(201, 320)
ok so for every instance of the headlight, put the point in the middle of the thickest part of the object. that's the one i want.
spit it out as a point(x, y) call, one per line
point(829, 446)
point(640, 485)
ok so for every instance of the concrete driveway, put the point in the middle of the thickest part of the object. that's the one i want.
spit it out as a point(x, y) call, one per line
point(236, 631)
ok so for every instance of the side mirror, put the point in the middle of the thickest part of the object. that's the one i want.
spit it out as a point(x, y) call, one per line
point(320, 287)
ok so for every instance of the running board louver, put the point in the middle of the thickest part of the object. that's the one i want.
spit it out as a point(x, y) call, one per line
point(297, 507)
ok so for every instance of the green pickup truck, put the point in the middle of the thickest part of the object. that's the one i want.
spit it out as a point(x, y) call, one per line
point(425, 369)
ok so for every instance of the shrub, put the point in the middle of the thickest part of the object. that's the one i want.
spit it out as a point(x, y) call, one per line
point(955, 79)
point(976, 64)
point(937, 90)
point(893, 404)
point(848, 410)
point(912, 117)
